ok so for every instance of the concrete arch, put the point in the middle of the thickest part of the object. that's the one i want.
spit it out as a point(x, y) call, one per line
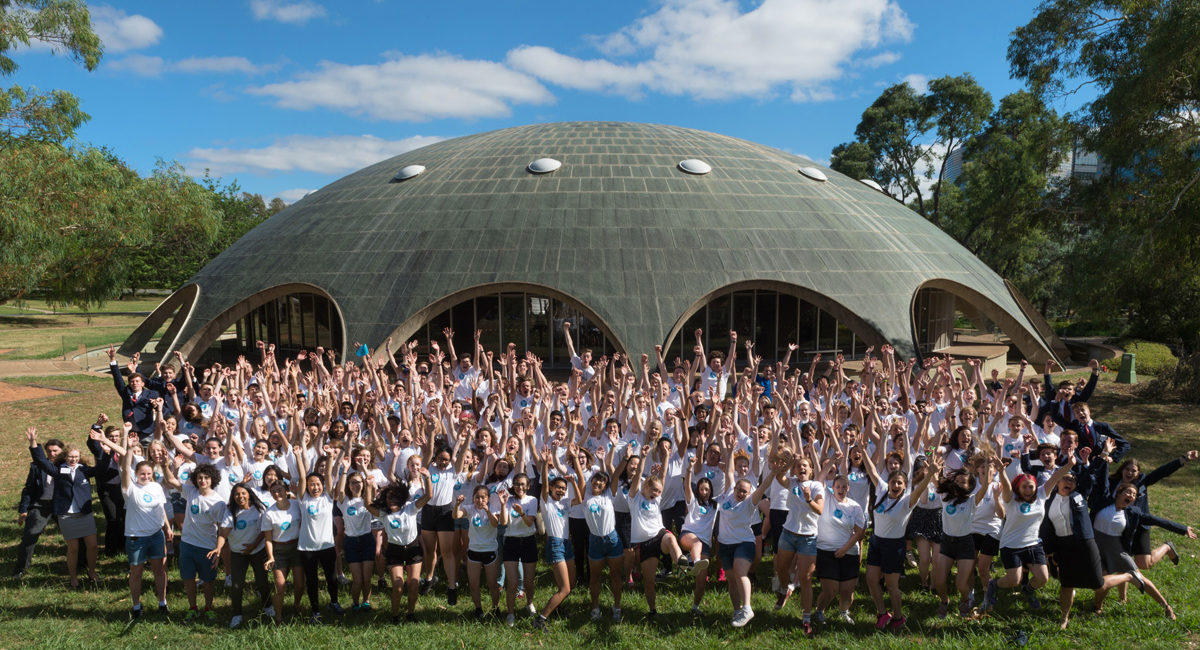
point(201, 340)
point(413, 323)
point(181, 304)
point(843, 314)
point(1029, 341)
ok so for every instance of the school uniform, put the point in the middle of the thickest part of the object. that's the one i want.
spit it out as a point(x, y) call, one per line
point(72, 493)
point(37, 504)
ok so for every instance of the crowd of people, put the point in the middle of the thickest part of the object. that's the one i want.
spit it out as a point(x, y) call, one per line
point(396, 474)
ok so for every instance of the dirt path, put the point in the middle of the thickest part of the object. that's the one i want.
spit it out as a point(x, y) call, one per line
point(13, 393)
point(41, 368)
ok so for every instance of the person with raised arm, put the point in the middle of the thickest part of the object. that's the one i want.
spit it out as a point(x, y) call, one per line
point(697, 536)
point(841, 527)
point(520, 545)
point(281, 530)
point(350, 495)
point(398, 512)
point(958, 494)
point(241, 532)
point(735, 537)
point(147, 528)
point(315, 544)
point(482, 556)
point(559, 554)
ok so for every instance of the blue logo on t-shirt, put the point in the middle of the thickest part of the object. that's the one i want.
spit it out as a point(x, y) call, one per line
point(258, 475)
point(728, 505)
point(183, 476)
point(195, 508)
point(931, 496)
point(241, 525)
point(285, 525)
point(594, 508)
point(837, 514)
point(1025, 508)
point(312, 509)
point(951, 508)
point(394, 523)
point(645, 506)
point(710, 474)
point(351, 511)
point(879, 508)
point(157, 476)
point(434, 478)
point(477, 521)
point(458, 485)
point(147, 498)
point(513, 513)
point(703, 510)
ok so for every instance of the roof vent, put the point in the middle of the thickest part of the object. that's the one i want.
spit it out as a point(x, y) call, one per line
point(544, 165)
point(695, 166)
point(407, 172)
point(814, 173)
point(870, 183)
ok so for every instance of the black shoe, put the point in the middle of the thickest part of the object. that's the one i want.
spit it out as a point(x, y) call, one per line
point(396, 620)
point(137, 613)
point(479, 613)
point(164, 610)
point(651, 615)
point(539, 623)
point(427, 586)
point(452, 596)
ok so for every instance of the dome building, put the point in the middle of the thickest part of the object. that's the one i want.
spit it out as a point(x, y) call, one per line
point(636, 234)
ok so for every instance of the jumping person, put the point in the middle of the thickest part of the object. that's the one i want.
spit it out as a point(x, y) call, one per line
point(398, 513)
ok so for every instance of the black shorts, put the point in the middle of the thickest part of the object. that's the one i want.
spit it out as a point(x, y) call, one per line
point(651, 548)
point(521, 549)
point(624, 524)
point(483, 557)
point(887, 554)
point(958, 548)
point(396, 555)
point(1141, 542)
point(835, 568)
point(986, 544)
point(1015, 557)
point(438, 518)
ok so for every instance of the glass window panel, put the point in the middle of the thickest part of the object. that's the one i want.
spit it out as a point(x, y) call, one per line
point(560, 313)
point(512, 313)
point(827, 332)
point(322, 313)
point(807, 328)
point(845, 340)
point(589, 337)
point(765, 320)
point(743, 314)
point(789, 331)
point(487, 315)
point(537, 317)
point(687, 337)
point(436, 325)
point(717, 332)
point(462, 321)
point(308, 319)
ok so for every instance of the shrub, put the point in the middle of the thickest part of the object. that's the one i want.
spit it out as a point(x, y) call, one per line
point(1152, 358)
point(1182, 383)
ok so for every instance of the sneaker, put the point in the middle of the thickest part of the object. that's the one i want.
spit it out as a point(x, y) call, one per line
point(479, 613)
point(808, 629)
point(882, 622)
point(616, 615)
point(818, 617)
point(846, 617)
point(452, 596)
point(137, 612)
point(19, 574)
point(700, 566)
point(596, 614)
point(210, 616)
point(191, 615)
point(1031, 598)
point(511, 620)
point(629, 582)
point(426, 585)
point(228, 582)
point(366, 606)
point(342, 579)
point(781, 598)
point(964, 608)
point(235, 622)
point(742, 617)
point(989, 597)
point(532, 610)
point(520, 594)
point(971, 599)
point(164, 610)
point(683, 565)
point(897, 622)
point(943, 608)
point(910, 559)
point(336, 608)
point(695, 610)
point(269, 611)
point(651, 615)
point(315, 619)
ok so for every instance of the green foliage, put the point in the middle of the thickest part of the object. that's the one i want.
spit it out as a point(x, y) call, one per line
point(855, 160)
point(77, 213)
point(1152, 358)
point(1182, 383)
point(26, 113)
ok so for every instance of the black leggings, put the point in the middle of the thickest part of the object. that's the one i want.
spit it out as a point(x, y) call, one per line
point(113, 502)
point(579, 544)
point(240, 562)
point(327, 560)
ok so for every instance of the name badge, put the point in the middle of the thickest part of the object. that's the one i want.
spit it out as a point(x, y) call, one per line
point(64, 470)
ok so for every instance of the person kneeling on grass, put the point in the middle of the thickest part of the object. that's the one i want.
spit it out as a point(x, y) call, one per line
point(398, 514)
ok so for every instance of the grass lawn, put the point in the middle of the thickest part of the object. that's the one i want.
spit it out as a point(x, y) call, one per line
point(40, 612)
point(139, 304)
point(46, 336)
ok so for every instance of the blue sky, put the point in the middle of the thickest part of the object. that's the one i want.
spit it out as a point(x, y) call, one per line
point(288, 95)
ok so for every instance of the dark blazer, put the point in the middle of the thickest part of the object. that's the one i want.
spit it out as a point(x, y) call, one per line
point(138, 411)
point(1081, 519)
point(1062, 412)
point(1135, 517)
point(35, 482)
point(68, 492)
point(159, 385)
point(1100, 431)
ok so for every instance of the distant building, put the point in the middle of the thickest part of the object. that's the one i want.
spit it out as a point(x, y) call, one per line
point(1078, 164)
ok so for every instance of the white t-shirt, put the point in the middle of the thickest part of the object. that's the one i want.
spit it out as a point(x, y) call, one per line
point(891, 515)
point(202, 516)
point(516, 523)
point(736, 519)
point(598, 511)
point(244, 529)
point(401, 526)
point(645, 515)
point(837, 523)
point(144, 509)
point(554, 516)
point(860, 487)
point(284, 524)
point(984, 520)
point(355, 517)
point(957, 519)
point(1022, 520)
point(712, 379)
point(715, 474)
point(481, 534)
point(316, 532)
point(252, 471)
point(802, 519)
point(700, 519)
point(443, 481)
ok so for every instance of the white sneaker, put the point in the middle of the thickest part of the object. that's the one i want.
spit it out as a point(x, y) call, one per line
point(744, 615)
point(699, 566)
point(234, 622)
point(596, 614)
point(511, 620)
point(228, 582)
point(845, 615)
point(532, 610)
point(269, 611)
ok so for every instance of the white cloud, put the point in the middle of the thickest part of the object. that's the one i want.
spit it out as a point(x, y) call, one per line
point(120, 32)
point(286, 12)
point(713, 49)
point(291, 196)
point(919, 82)
point(154, 66)
point(410, 88)
point(322, 155)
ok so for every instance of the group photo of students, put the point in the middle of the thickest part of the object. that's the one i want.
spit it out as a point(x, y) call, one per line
point(467, 484)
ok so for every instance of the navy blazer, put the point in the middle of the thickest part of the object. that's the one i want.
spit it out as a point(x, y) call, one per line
point(1056, 408)
point(1100, 431)
point(138, 411)
point(66, 492)
point(35, 482)
point(1081, 519)
point(1135, 517)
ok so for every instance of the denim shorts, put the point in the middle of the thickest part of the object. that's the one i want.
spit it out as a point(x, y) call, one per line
point(730, 552)
point(798, 544)
point(193, 563)
point(558, 550)
point(359, 548)
point(149, 547)
point(607, 547)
